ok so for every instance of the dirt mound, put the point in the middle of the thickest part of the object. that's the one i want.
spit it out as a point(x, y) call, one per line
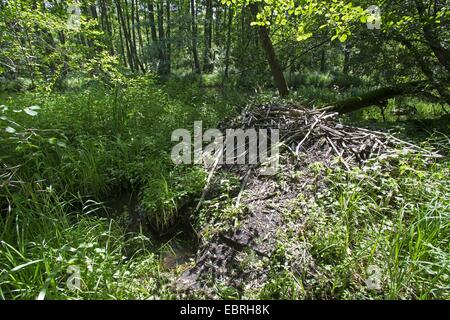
point(307, 137)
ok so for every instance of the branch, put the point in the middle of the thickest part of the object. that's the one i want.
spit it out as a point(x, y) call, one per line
point(379, 96)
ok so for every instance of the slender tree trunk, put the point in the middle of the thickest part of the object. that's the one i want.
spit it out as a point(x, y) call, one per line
point(135, 46)
point(162, 68)
point(151, 9)
point(207, 56)
point(194, 35)
point(323, 61)
point(93, 10)
point(125, 34)
point(139, 33)
point(275, 67)
point(130, 38)
point(347, 52)
point(106, 25)
point(122, 48)
point(243, 25)
point(217, 30)
point(168, 37)
point(228, 47)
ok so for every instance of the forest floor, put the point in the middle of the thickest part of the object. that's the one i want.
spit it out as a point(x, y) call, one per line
point(272, 213)
point(359, 208)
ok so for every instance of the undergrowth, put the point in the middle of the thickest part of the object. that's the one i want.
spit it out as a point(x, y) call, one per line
point(63, 155)
point(381, 231)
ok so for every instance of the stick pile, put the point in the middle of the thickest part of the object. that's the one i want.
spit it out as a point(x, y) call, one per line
point(318, 135)
point(306, 136)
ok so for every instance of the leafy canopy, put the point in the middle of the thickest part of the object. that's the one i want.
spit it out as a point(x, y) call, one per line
point(307, 16)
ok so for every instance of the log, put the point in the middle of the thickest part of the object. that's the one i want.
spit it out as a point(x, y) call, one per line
point(379, 97)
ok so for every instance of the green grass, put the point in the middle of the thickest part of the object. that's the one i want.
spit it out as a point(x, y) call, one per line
point(42, 238)
point(388, 223)
point(60, 164)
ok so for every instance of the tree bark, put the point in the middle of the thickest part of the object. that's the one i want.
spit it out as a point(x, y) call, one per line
point(347, 52)
point(139, 33)
point(162, 68)
point(441, 53)
point(126, 37)
point(207, 56)
point(277, 71)
point(323, 61)
point(228, 47)
point(129, 37)
point(194, 35)
point(379, 97)
point(151, 9)
point(168, 38)
point(134, 38)
point(107, 25)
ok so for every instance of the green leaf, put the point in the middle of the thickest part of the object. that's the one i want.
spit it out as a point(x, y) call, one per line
point(304, 36)
point(343, 38)
point(25, 265)
point(30, 112)
point(62, 144)
point(10, 130)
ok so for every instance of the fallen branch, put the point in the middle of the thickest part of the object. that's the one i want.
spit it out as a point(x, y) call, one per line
point(378, 96)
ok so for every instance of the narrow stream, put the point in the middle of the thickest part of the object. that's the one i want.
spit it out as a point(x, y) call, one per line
point(175, 248)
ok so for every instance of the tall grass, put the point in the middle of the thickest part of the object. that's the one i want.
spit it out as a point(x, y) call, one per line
point(59, 165)
point(42, 238)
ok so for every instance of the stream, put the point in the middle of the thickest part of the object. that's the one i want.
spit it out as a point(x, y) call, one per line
point(176, 247)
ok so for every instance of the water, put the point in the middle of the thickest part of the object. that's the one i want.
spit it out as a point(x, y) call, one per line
point(175, 248)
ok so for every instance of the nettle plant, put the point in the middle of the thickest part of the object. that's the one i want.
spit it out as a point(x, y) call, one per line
point(13, 134)
point(17, 139)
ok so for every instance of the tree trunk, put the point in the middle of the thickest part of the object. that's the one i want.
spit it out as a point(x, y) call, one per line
point(162, 67)
point(228, 48)
point(134, 37)
point(347, 52)
point(275, 67)
point(106, 25)
point(323, 61)
point(207, 56)
point(125, 34)
point(122, 47)
point(151, 10)
point(441, 53)
point(194, 37)
point(168, 38)
point(379, 97)
point(139, 33)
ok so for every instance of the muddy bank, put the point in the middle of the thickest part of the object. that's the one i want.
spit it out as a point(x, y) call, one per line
point(175, 246)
